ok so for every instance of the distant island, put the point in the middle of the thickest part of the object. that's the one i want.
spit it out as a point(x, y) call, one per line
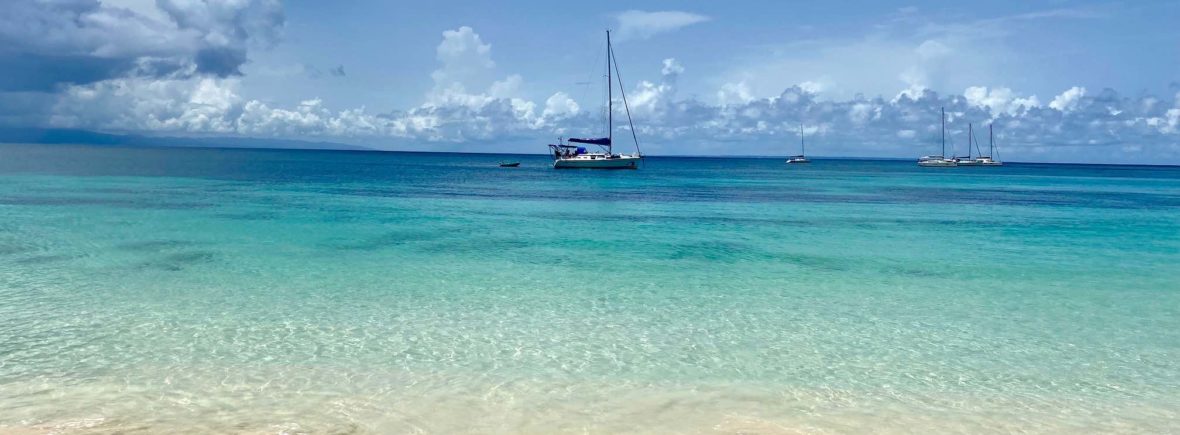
point(88, 137)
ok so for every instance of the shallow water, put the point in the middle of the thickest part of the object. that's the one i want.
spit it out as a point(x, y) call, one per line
point(255, 291)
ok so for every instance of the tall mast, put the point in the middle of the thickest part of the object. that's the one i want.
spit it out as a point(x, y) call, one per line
point(970, 134)
point(610, 133)
point(991, 143)
point(943, 132)
point(802, 149)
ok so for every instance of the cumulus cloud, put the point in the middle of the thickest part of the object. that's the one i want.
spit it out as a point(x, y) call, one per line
point(636, 24)
point(465, 103)
point(464, 61)
point(471, 105)
point(1068, 101)
point(1000, 100)
point(653, 98)
point(911, 50)
point(560, 105)
point(198, 105)
point(1087, 126)
point(734, 94)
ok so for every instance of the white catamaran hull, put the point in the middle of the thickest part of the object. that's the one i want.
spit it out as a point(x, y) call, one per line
point(597, 162)
point(937, 163)
point(977, 162)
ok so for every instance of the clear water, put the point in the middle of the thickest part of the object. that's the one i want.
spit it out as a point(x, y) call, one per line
point(254, 291)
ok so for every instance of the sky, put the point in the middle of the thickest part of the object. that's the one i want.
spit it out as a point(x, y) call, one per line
point(1069, 81)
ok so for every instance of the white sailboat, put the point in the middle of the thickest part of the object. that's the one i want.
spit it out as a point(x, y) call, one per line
point(980, 159)
point(939, 160)
point(991, 151)
point(802, 157)
point(570, 156)
point(969, 161)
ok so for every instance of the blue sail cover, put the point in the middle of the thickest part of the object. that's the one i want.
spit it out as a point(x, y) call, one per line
point(598, 141)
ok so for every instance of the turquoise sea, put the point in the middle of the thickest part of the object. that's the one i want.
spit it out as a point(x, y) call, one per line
point(157, 290)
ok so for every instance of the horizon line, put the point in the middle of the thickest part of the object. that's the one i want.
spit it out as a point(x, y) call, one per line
point(683, 156)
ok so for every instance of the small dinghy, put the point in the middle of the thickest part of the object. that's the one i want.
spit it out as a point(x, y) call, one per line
point(509, 164)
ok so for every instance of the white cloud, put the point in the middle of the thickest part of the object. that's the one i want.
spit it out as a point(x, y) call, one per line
point(471, 106)
point(900, 128)
point(913, 50)
point(1000, 100)
point(672, 68)
point(635, 24)
point(1068, 101)
point(862, 112)
point(734, 94)
point(464, 60)
point(932, 49)
point(146, 8)
point(507, 88)
point(812, 87)
point(652, 99)
point(560, 105)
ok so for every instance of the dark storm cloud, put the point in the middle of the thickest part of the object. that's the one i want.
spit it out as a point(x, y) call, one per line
point(220, 61)
point(45, 44)
point(43, 73)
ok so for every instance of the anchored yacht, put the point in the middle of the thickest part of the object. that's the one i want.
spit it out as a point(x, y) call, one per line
point(573, 155)
point(802, 157)
point(940, 160)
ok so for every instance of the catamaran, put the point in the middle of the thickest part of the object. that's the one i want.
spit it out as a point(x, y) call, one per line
point(980, 159)
point(568, 155)
point(939, 160)
point(968, 161)
point(802, 157)
point(991, 151)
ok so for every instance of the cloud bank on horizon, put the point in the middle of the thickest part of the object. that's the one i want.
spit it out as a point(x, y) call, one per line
point(176, 67)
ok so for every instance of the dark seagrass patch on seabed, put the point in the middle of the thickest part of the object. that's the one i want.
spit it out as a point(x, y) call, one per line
point(154, 245)
point(387, 240)
point(1032, 197)
point(721, 251)
point(179, 261)
point(14, 249)
point(130, 203)
point(46, 259)
point(250, 216)
point(474, 244)
point(833, 264)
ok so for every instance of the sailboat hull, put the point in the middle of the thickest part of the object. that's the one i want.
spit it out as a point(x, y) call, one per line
point(598, 161)
point(983, 161)
point(943, 163)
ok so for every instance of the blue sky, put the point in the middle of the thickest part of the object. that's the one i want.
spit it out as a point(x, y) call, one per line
point(1061, 80)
